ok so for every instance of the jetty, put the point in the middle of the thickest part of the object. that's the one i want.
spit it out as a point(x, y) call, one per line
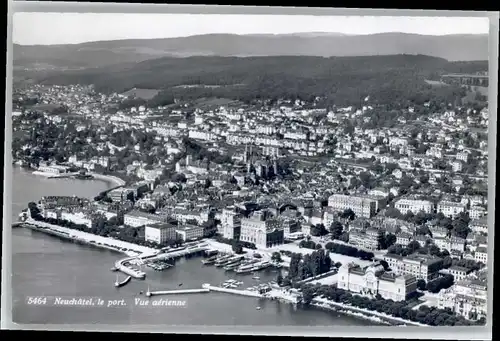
point(177, 292)
point(121, 265)
point(122, 283)
point(232, 291)
point(64, 175)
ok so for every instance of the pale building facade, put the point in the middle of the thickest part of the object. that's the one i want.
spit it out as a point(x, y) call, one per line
point(468, 299)
point(159, 233)
point(373, 280)
point(413, 205)
point(361, 206)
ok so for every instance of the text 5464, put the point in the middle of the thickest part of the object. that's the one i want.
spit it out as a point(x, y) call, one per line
point(36, 300)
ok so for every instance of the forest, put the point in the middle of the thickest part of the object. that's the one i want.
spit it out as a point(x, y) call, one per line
point(337, 80)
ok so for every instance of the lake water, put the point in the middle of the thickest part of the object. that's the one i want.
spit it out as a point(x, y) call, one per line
point(44, 265)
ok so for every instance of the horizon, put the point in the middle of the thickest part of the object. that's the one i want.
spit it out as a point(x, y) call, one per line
point(338, 34)
point(44, 28)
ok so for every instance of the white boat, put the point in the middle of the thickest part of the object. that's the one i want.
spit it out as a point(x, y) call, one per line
point(222, 260)
point(228, 261)
point(261, 266)
point(246, 267)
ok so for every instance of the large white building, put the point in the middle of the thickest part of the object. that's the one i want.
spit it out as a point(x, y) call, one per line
point(414, 205)
point(190, 232)
point(261, 230)
point(481, 255)
point(159, 233)
point(373, 280)
point(467, 298)
point(361, 206)
point(79, 218)
point(421, 266)
point(365, 239)
point(137, 218)
point(450, 208)
point(231, 223)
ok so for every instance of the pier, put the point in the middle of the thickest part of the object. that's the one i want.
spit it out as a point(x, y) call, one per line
point(232, 291)
point(177, 292)
point(120, 265)
point(64, 175)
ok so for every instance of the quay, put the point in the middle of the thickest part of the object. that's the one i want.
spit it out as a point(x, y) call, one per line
point(177, 292)
point(121, 264)
point(64, 175)
point(232, 291)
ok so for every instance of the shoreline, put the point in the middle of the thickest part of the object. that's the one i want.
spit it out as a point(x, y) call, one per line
point(100, 177)
point(117, 245)
point(89, 238)
point(108, 178)
point(343, 308)
point(330, 305)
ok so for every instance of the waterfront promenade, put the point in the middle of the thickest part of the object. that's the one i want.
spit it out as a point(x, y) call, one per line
point(129, 249)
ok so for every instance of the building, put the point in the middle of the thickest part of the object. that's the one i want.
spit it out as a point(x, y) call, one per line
point(481, 255)
point(421, 266)
point(365, 239)
point(361, 206)
point(404, 238)
point(414, 205)
point(479, 225)
point(160, 233)
point(262, 230)
point(450, 244)
point(462, 156)
point(373, 280)
point(466, 298)
point(231, 223)
point(137, 218)
point(451, 209)
point(457, 166)
point(459, 273)
point(290, 226)
point(78, 218)
point(439, 231)
point(189, 232)
point(477, 212)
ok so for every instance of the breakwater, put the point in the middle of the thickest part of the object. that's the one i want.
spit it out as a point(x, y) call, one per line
point(177, 292)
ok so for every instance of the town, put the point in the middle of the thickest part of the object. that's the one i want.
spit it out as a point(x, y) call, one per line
point(381, 204)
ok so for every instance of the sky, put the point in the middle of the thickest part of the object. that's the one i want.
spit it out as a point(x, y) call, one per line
point(73, 28)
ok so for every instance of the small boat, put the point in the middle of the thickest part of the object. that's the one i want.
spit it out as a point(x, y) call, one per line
point(122, 283)
point(256, 277)
point(209, 261)
point(180, 284)
point(258, 308)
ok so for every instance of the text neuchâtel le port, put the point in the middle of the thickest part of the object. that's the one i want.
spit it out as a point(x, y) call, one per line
point(74, 301)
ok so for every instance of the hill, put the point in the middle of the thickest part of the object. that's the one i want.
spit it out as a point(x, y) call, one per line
point(100, 53)
point(342, 80)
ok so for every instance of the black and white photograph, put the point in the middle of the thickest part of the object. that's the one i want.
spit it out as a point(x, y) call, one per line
point(258, 170)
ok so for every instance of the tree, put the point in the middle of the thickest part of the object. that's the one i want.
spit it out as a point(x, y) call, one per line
point(390, 239)
point(421, 285)
point(279, 279)
point(318, 230)
point(392, 212)
point(237, 248)
point(413, 246)
point(276, 256)
point(307, 295)
point(348, 214)
point(336, 230)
